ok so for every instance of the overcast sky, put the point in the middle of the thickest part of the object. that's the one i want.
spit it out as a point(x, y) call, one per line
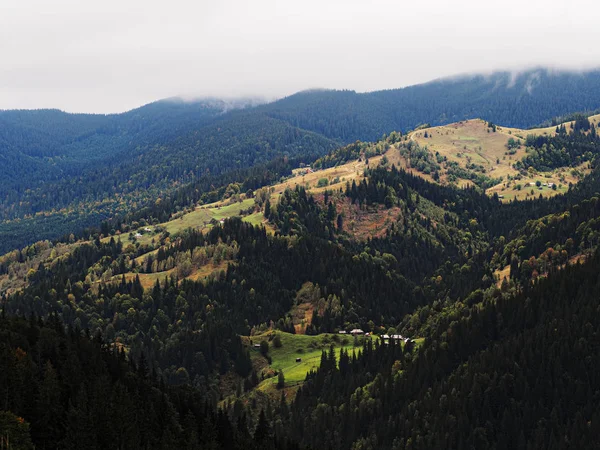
point(114, 55)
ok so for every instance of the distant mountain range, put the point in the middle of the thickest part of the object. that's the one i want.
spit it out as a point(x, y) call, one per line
point(52, 161)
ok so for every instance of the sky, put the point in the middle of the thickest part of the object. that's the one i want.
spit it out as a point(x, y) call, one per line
point(114, 55)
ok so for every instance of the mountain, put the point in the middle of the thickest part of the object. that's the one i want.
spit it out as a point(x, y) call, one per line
point(64, 172)
point(234, 310)
point(134, 159)
point(61, 144)
point(520, 100)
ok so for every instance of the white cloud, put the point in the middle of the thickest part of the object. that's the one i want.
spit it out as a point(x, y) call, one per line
point(114, 55)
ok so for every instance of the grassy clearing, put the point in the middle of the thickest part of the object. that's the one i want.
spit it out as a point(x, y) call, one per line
point(308, 348)
point(526, 187)
point(148, 280)
point(336, 177)
point(284, 358)
point(200, 218)
point(472, 142)
point(257, 219)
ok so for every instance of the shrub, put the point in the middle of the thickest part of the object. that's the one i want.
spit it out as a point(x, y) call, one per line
point(323, 182)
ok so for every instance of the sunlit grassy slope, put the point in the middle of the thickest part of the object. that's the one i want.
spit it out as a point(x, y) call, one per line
point(474, 142)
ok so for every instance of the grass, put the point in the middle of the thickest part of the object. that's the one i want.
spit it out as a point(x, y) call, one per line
point(528, 183)
point(352, 170)
point(257, 219)
point(309, 348)
point(470, 141)
point(487, 149)
point(199, 218)
point(148, 280)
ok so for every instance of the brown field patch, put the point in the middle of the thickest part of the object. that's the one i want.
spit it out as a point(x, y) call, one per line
point(302, 316)
point(368, 221)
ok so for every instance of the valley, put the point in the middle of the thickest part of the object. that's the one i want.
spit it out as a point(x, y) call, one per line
point(310, 290)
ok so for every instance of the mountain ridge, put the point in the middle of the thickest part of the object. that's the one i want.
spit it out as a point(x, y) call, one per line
point(54, 161)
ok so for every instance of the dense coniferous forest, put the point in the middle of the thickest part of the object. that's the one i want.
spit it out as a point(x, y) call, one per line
point(546, 153)
point(513, 371)
point(139, 330)
point(66, 389)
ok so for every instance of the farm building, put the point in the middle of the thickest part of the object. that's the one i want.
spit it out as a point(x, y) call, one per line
point(357, 331)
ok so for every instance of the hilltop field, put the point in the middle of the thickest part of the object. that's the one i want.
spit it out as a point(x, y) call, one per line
point(472, 145)
point(476, 146)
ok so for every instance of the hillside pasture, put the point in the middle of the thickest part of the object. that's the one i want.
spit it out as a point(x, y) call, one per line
point(336, 177)
point(526, 186)
point(308, 348)
point(148, 280)
point(474, 142)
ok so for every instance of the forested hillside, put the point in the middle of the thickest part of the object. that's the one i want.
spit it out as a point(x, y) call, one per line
point(245, 282)
point(138, 176)
point(514, 371)
point(519, 100)
point(63, 389)
point(63, 172)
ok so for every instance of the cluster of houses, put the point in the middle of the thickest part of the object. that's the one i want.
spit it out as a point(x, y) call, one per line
point(396, 337)
point(542, 185)
point(305, 171)
point(355, 332)
point(386, 338)
point(146, 230)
